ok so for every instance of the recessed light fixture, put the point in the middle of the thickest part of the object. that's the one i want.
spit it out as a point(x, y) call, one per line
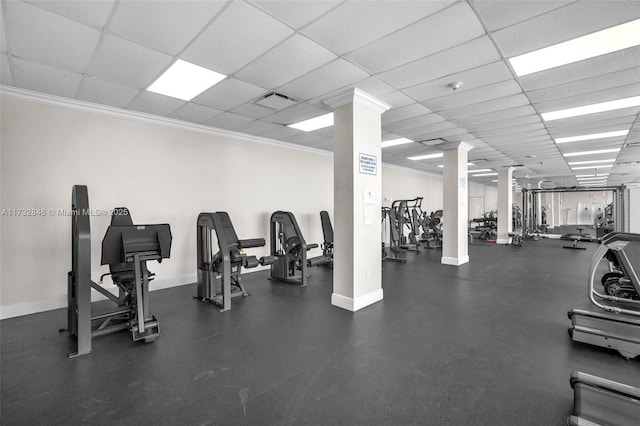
point(593, 175)
point(480, 170)
point(184, 80)
point(633, 101)
point(597, 151)
point(485, 174)
point(590, 179)
point(315, 123)
point(593, 136)
point(395, 142)
point(595, 44)
point(426, 156)
point(576, 163)
point(468, 164)
point(601, 166)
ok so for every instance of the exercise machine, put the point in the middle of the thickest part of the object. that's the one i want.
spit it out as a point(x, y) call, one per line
point(289, 249)
point(327, 246)
point(219, 274)
point(126, 248)
point(397, 253)
point(617, 325)
point(576, 238)
point(598, 401)
point(406, 212)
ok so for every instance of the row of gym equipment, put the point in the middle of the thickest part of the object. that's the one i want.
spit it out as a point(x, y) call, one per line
point(127, 247)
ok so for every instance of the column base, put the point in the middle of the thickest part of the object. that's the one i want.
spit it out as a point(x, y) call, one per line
point(455, 261)
point(503, 241)
point(356, 303)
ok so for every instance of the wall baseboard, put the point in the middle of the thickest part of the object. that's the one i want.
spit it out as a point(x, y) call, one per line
point(357, 303)
point(49, 304)
point(455, 261)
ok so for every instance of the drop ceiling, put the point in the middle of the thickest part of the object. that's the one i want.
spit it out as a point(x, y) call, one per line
point(406, 53)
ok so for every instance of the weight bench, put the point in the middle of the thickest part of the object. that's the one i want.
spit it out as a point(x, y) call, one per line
point(576, 239)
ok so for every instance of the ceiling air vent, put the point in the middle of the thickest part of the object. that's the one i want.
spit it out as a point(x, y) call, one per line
point(276, 101)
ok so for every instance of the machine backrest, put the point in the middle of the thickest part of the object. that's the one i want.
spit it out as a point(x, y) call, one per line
point(121, 217)
point(222, 219)
point(327, 229)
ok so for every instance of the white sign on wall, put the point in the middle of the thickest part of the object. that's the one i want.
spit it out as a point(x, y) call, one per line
point(368, 164)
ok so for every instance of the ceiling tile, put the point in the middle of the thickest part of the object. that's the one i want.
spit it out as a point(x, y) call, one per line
point(623, 118)
point(499, 14)
point(508, 102)
point(510, 131)
point(304, 138)
point(94, 13)
point(103, 92)
point(566, 23)
point(229, 94)
point(282, 133)
point(349, 26)
point(463, 97)
point(253, 110)
point(195, 113)
point(297, 13)
point(5, 71)
point(426, 37)
point(297, 113)
point(161, 24)
point(469, 55)
point(260, 128)
point(153, 103)
point(326, 79)
point(471, 79)
point(121, 61)
point(45, 79)
point(396, 99)
point(593, 84)
point(496, 115)
point(236, 37)
point(510, 122)
point(414, 122)
point(405, 112)
point(229, 120)
point(600, 65)
point(374, 86)
point(590, 98)
point(448, 134)
point(48, 39)
point(295, 57)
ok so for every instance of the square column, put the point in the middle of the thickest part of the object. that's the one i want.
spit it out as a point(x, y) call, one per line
point(505, 203)
point(357, 189)
point(455, 210)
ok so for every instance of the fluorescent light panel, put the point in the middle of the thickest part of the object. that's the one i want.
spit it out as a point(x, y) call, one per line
point(601, 166)
point(315, 123)
point(395, 142)
point(480, 170)
point(576, 163)
point(593, 136)
point(184, 80)
point(426, 156)
point(468, 164)
point(485, 174)
point(593, 175)
point(595, 44)
point(633, 101)
point(598, 151)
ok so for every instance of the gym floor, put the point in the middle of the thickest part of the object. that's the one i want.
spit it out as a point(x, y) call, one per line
point(482, 344)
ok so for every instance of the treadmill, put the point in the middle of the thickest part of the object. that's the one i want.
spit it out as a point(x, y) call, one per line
point(617, 324)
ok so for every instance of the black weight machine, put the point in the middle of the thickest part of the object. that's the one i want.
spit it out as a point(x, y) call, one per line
point(406, 220)
point(126, 248)
point(219, 274)
point(617, 324)
point(397, 253)
point(289, 249)
point(327, 246)
point(598, 401)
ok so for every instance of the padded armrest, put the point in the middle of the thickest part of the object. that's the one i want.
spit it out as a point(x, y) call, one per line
point(252, 242)
point(312, 246)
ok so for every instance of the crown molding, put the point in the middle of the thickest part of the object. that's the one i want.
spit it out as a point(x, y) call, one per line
point(359, 97)
point(142, 117)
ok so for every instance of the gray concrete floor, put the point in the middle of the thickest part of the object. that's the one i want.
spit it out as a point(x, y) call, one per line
point(482, 344)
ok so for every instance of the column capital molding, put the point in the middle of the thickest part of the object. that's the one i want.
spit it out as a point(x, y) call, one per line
point(359, 97)
point(466, 146)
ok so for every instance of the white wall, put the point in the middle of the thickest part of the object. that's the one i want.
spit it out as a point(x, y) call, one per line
point(164, 174)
